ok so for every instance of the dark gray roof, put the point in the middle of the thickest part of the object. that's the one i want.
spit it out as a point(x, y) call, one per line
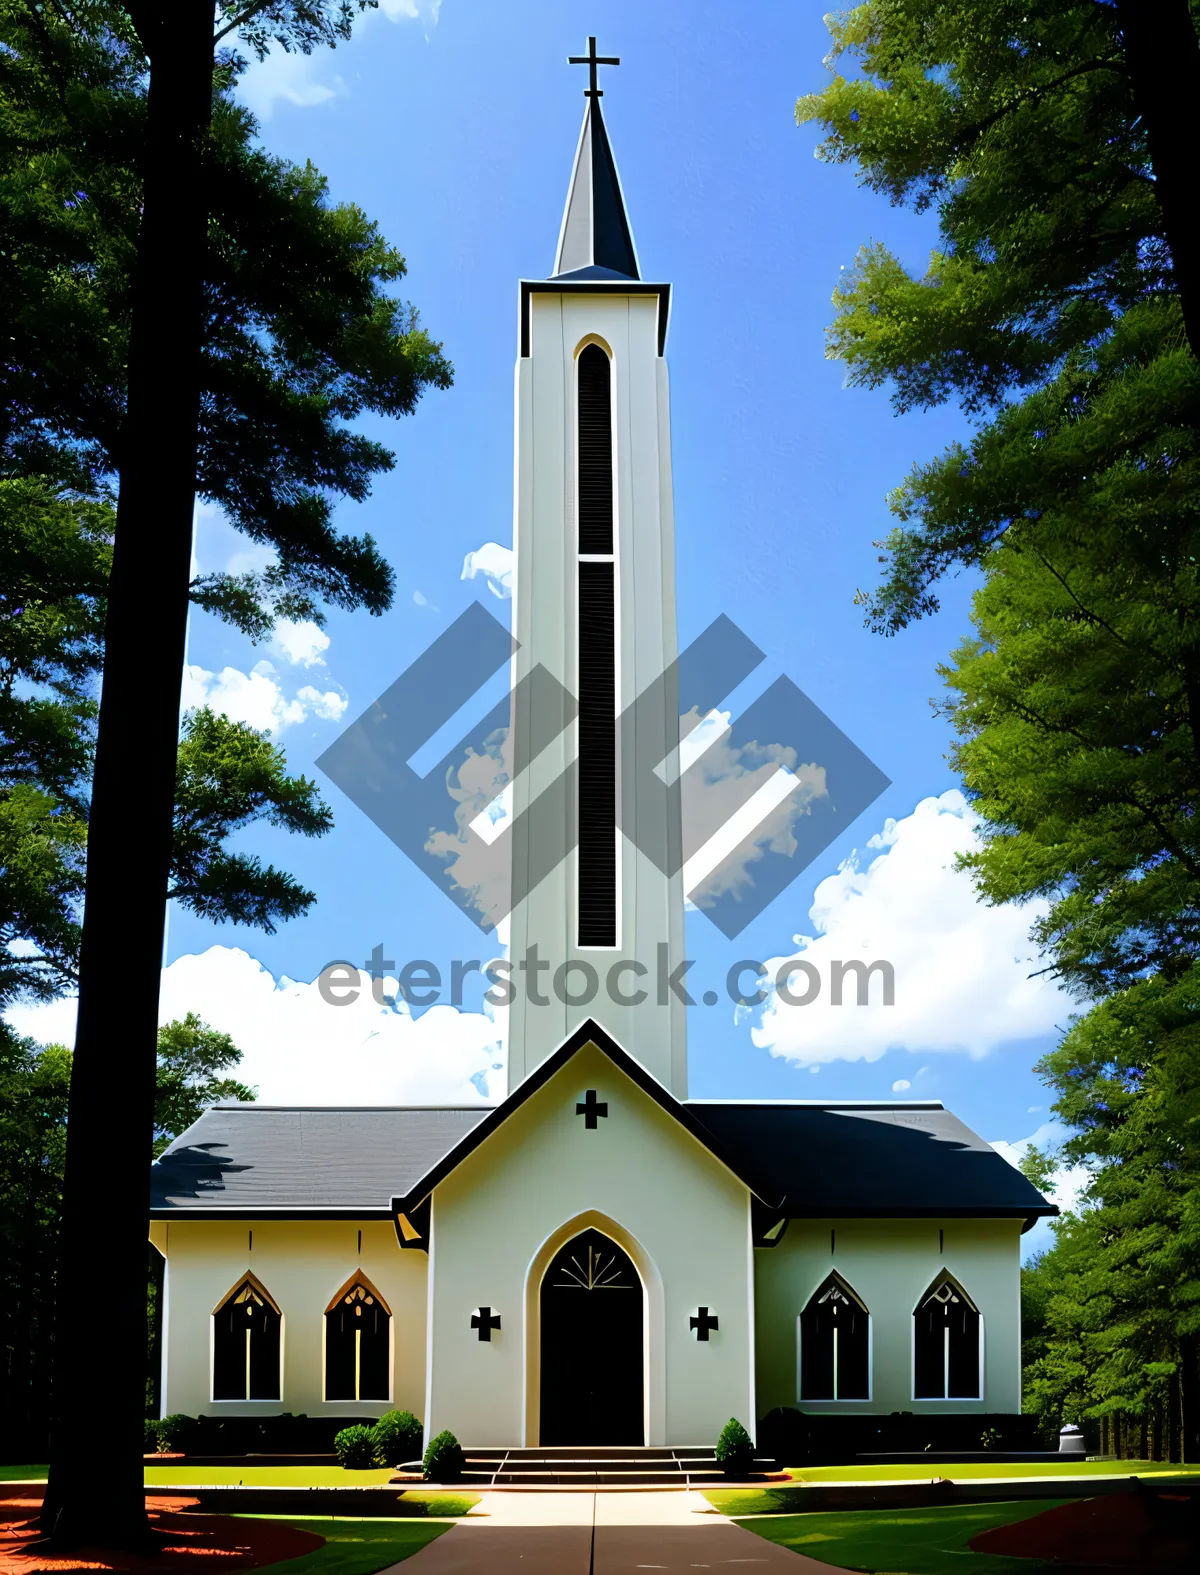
point(804, 1160)
point(871, 1160)
point(271, 1159)
point(595, 242)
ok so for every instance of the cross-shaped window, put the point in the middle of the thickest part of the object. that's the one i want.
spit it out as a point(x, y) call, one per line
point(702, 1323)
point(485, 1320)
point(589, 1107)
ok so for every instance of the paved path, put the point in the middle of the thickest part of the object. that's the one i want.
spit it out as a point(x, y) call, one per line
point(600, 1534)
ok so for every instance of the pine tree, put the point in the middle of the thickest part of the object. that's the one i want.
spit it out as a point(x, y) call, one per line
point(189, 315)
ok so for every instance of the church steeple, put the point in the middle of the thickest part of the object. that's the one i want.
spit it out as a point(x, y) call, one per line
point(595, 241)
point(594, 609)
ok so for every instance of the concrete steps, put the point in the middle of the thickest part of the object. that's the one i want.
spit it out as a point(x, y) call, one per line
point(588, 1467)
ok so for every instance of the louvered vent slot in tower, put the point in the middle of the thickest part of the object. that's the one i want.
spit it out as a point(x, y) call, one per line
point(597, 656)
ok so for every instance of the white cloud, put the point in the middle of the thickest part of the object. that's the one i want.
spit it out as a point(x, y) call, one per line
point(257, 697)
point(412, 11)
point(1067, 1183)
point(962, 969)
point(497, 566)
point(330, 706)
point(901, 1085)
point(306, 80)
point(302, 644)
point(252, 559)
point(297, 1049)
point(738, 803)
point(286, 78)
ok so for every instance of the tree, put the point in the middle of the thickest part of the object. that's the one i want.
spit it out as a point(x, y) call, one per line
point(1036, 131)
point(229, 323)
point(1061, 311)
point(194, 1064)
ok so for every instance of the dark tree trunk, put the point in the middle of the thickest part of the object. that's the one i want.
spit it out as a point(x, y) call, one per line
point(95, 1490)
point(1189, 1398)
point(1162, 54)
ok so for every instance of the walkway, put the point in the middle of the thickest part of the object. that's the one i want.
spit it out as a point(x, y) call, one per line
point(600, 1534)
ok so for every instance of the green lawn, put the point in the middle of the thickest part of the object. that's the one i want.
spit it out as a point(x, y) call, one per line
point(917, 1541)
point(356, 1547)
point(963, 1471)
point(23, 1473)
point(184, 1475)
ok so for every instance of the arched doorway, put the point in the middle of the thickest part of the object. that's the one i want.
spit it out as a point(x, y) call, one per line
point(592, 1319)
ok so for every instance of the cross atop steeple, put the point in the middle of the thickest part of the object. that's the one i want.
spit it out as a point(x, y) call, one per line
point(592, 60)
point(594, 242)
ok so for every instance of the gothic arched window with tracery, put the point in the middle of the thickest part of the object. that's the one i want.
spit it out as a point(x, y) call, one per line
point(247, 1330)
point(946, 1346)
point(358, 1343)
point(835, 1344)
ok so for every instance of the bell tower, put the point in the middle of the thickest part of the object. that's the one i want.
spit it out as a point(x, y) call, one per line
point(595, 607)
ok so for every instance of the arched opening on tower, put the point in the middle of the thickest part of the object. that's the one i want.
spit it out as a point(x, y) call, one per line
point(596, 679)
point(592, 1313)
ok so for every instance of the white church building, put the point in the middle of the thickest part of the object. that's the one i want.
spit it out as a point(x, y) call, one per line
point(597, 1259)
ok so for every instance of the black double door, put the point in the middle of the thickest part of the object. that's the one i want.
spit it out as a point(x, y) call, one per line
point(592, 1318)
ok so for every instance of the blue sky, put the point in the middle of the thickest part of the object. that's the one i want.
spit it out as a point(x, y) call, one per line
point(455, 125)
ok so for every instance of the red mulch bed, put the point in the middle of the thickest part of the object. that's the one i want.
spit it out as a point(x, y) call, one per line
point(1122, 1531)
point(189, 1542)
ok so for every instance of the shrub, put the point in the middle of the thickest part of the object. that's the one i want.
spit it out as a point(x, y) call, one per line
point(735, 1449)
point(784, 1433)
point(151, 1444)
point(443, 1460)
point(355, 1448)
point(173, 1435)
point(397, 1437)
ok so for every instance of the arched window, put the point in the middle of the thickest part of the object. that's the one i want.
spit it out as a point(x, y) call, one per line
point(946, 1344)
point(358, 1343)
point(835, 1344)
point(596, 839)
point(246, 1344)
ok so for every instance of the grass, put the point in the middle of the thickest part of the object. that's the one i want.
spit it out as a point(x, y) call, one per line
point(23, 1473)
point(356, 1547)
point(790, 1500)
point(917, 1541)
point(183, 1475)
point(966, 1470)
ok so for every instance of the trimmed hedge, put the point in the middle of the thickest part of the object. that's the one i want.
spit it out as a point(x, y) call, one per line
point(356, 1449)
point(397, 1437)
point(443, 1460)
point(735, 1449)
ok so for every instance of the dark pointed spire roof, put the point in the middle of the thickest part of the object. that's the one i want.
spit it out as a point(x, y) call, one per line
point(595, 241)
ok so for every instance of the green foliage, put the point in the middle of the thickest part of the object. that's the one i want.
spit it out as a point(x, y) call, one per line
point(230, 777)
point(302, 336)
point(1017, 124)
point(1052, 312)
point(397, 1437)
point(34, 1084)
point(735, 1449)
point(356, 1448)
point(176, 1433)
point(194, 1062)
point(443, 1460)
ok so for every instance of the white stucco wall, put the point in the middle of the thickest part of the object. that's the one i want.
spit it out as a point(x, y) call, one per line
point(303, 1264)
point(530, 1187)
point(890, 1264)
point(650, 906)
